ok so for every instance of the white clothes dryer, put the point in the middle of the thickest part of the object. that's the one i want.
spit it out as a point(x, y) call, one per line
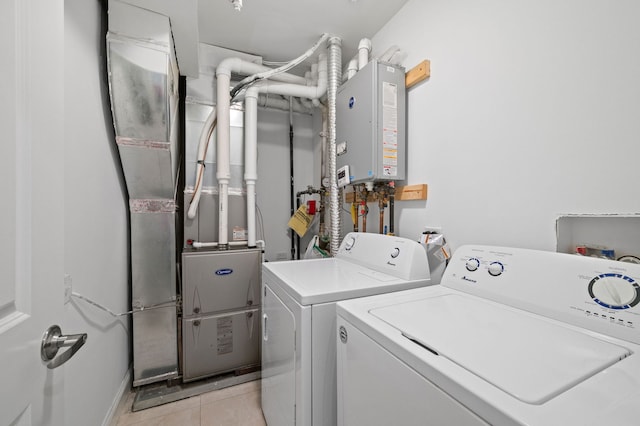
point(299, 319)
point(510, 337)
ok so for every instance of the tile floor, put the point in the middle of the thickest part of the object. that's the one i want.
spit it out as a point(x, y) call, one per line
point(232, 406)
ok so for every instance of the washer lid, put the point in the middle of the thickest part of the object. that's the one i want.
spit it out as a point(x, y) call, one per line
point(530, 357)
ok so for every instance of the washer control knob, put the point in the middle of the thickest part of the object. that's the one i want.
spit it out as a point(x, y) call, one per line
point(395, 252)
point(496, 268)
point(472, 264)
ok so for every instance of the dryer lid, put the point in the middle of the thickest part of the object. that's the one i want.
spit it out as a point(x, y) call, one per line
point(315, 281)
point(528, 356)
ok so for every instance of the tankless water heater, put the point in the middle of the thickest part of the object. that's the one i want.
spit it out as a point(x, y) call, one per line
point(370, 125)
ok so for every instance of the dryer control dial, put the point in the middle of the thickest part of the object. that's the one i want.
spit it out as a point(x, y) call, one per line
point(395, 252)
point(496, 268)
point(472, 264)
point(614, 291)
point(348, 244)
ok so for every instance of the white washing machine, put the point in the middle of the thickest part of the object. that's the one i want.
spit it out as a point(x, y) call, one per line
point(299, 320)
point(510, 337)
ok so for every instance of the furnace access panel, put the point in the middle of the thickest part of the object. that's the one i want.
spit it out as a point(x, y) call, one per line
point(370, 125)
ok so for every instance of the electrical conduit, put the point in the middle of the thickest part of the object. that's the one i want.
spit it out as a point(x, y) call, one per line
point(276, 71)
point(297, 90)
point(205, 135)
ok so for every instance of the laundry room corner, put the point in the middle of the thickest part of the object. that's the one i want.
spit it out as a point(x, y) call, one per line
point(528, 114)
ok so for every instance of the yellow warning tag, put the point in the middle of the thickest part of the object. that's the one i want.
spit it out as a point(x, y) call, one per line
point(300, 221)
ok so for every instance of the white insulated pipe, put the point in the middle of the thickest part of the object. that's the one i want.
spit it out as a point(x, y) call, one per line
point(390, 53)
point(299, 91)
point(223, 146)
point(223, 152)
point(303, 106)
point(200, 244)
point(288, 86)
point(272, 72)
point(352, 68)
point(251, 159)
point(364, 48)
point(251, 130)
point(243, 67)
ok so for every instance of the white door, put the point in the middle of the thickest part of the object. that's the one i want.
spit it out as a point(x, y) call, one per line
point(32, 211)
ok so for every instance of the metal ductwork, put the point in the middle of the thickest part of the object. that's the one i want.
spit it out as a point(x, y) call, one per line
point(335, 77)
point(143, 85)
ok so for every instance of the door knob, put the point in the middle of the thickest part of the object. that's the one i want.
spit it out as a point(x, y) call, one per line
point(53, 340)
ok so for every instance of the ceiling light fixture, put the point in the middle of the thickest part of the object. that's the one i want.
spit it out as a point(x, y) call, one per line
point(237, 4)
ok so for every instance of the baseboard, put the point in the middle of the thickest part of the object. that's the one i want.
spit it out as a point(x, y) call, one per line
point(118, 401)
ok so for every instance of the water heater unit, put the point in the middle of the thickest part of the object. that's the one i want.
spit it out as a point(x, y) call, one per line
point(370, 124)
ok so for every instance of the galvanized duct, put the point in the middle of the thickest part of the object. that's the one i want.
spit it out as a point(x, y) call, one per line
point(335, 77)
point(143, 88)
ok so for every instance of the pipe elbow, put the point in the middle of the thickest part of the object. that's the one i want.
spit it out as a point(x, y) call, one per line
point(365, 43)
point(227, 65)
point(192, 213)
point(253, 92)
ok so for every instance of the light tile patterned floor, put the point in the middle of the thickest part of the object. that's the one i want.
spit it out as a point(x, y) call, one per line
point(232, 406)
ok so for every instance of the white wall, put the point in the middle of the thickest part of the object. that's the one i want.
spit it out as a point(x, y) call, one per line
point(96, 236)
point(531, 111)
point(272, 188)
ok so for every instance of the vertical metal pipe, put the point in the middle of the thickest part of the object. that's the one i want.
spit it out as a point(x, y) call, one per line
point(335, 76)
point(364, 213)
point(297, 236)
point(381, 208)
point(291, 189)
point(392, 197)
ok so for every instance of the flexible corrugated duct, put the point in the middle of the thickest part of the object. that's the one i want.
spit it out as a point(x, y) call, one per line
point(334, 78)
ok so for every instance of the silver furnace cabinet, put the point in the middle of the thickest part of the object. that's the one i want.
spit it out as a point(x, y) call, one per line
point(221, 311)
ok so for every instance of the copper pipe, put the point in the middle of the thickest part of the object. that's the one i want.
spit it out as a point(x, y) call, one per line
point(381, 208)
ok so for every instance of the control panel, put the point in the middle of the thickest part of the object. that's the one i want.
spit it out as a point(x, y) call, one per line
point(396, 256)
point(598, 294)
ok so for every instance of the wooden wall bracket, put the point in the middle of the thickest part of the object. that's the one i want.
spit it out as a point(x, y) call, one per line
point(402, 193)
point(418, 73)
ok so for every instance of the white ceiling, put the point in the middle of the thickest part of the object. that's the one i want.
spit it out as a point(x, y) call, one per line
point(277, 30)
